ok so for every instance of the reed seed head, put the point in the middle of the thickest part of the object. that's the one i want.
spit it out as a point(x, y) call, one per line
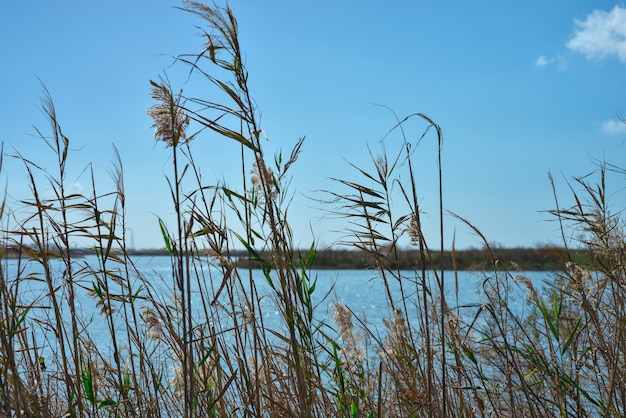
point(532, 292)
point(352, 349)
point(397, 330)
point(170, 120)
point(154, 329)
point(263, 179)
point(414, 230)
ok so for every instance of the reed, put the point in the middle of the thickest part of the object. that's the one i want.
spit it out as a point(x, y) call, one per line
point(193, 343)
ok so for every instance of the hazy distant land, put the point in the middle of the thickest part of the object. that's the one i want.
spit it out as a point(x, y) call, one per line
point(527, 259)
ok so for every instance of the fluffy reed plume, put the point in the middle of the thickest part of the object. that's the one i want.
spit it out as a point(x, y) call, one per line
point(414, 230)
point(351, 349)
point(153, 324)
point(581, 281)
point(263, 180)
point(396, 338)
point(170, 120)
point(527, 282)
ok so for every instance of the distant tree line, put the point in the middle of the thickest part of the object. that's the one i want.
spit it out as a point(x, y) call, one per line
point(528, 259)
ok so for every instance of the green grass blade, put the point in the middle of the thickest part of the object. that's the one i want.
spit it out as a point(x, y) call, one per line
point(166, 237)
point(20, 319)
point(87, 379)
point(569, 340)
point(546, 317)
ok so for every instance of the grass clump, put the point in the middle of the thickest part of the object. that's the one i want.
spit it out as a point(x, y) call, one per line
point(193, 342)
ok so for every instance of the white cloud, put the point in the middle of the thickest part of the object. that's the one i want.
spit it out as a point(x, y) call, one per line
point(558, 60)
point(613, 127)
point(75, 188)
point(542, 61)
point(601, 35)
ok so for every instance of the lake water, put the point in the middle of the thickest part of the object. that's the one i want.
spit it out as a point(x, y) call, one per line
point(362, 291)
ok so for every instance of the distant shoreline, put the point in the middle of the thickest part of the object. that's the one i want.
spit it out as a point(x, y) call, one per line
point(527, 259)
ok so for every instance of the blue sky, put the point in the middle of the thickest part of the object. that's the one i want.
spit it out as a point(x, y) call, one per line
point(520, 89)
